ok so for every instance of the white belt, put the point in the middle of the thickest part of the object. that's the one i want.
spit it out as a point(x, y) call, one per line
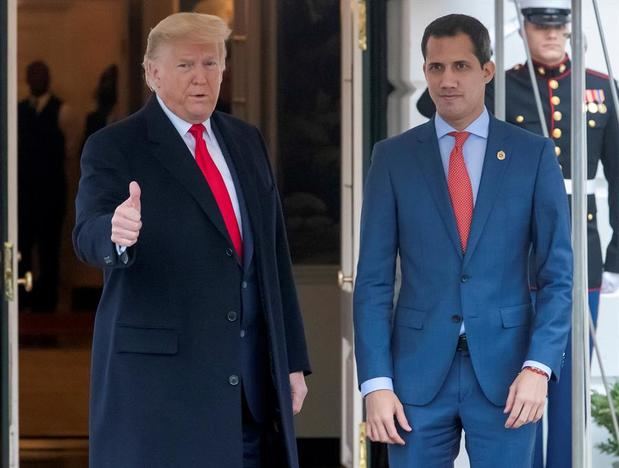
point(590, 186)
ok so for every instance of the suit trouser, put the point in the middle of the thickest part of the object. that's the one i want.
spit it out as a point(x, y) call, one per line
point(461, 405)
point(559, 420)
point(253, 439)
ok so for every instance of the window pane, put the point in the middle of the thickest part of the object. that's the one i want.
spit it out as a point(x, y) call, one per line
point(309, 127)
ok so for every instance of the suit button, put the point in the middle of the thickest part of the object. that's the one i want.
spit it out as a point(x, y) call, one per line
point(233, 380)
point(456, 318)
point(465, 278)
point(229, 252)
point(244, 284)
point(232, 316)
point(242, 333)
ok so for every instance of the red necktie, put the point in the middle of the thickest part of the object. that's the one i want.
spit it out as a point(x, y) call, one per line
point(218, 187)
point(460, 190)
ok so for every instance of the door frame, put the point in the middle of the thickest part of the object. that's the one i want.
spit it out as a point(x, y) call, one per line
point(9, 431)
point(365, 89)
point(352, 443)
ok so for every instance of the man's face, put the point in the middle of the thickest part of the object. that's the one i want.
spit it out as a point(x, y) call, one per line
point(38, 79)
point(456, 79)
point(187, 77)
point(547, 43)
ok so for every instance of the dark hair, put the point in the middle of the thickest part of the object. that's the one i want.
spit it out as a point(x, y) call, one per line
point(452, 25)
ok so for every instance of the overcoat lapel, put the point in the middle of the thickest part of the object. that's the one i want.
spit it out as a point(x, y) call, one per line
point(239, 158)
point(169, 148)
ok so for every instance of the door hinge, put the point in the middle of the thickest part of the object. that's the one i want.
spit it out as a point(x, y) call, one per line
point(363, 446)
point(363, 25)
point(9, 281)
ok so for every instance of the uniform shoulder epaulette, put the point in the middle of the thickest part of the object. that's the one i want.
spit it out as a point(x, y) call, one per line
point(597, 73)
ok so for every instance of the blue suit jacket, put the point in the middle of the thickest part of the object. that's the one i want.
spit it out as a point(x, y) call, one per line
point(521, 205)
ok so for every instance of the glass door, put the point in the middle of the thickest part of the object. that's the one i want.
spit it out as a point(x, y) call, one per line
point(9, 445)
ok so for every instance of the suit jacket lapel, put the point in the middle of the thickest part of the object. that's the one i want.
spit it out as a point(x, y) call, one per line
point(491, 178)
point(432, 166)
point(170, 149)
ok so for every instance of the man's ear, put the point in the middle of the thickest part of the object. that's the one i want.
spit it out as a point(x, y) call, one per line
point(489, 69)
point(152, 71)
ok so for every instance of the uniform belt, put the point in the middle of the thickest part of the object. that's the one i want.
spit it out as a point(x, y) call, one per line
point(463, 344)
point(590, 186)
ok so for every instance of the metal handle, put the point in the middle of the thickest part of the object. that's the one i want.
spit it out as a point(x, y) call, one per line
point(26, 281)
point(342, 279)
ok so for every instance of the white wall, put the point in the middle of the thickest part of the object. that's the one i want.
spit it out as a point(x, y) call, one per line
point(407, 21)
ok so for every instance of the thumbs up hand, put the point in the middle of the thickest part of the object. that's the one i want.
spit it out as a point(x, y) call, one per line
point(127, 219)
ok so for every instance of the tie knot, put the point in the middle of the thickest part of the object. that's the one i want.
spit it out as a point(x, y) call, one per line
point(460, 138)
point(197, 130)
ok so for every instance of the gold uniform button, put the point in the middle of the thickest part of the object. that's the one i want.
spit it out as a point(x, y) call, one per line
point(554, 84)
point(556, 133)
point(562, 68)
point(557, 115)
point(556, 100)
point(557, 151)
point(520, 118)
point(541, 70)
point(590, 217)
point(592, 123)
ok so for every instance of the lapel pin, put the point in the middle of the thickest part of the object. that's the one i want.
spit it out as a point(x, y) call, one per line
point(500, 155)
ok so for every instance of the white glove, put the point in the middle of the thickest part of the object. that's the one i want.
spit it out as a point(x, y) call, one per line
point(610, 282)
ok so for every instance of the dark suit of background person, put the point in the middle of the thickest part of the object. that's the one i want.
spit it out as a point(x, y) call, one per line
point(42, 187)
point(547, 22)
point(106, 96)
point(192, 347)
point(463, 345)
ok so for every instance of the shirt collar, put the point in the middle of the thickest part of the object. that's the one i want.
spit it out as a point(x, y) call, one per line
point(41, 101)
point(478, 127)
point(180, 125)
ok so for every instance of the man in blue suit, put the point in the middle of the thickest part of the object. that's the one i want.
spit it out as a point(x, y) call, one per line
point(462, 200)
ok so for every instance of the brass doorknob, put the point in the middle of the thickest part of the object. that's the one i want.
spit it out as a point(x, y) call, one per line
point(26, 281)
point(342, 280)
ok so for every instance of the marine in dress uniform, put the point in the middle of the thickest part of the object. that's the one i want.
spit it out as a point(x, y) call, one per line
point(554, 83)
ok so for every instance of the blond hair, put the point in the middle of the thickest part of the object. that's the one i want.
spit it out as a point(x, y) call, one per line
point(197, 27)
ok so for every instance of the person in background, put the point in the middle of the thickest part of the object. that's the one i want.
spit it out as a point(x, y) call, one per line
point(44, 141)
point(106, 96)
